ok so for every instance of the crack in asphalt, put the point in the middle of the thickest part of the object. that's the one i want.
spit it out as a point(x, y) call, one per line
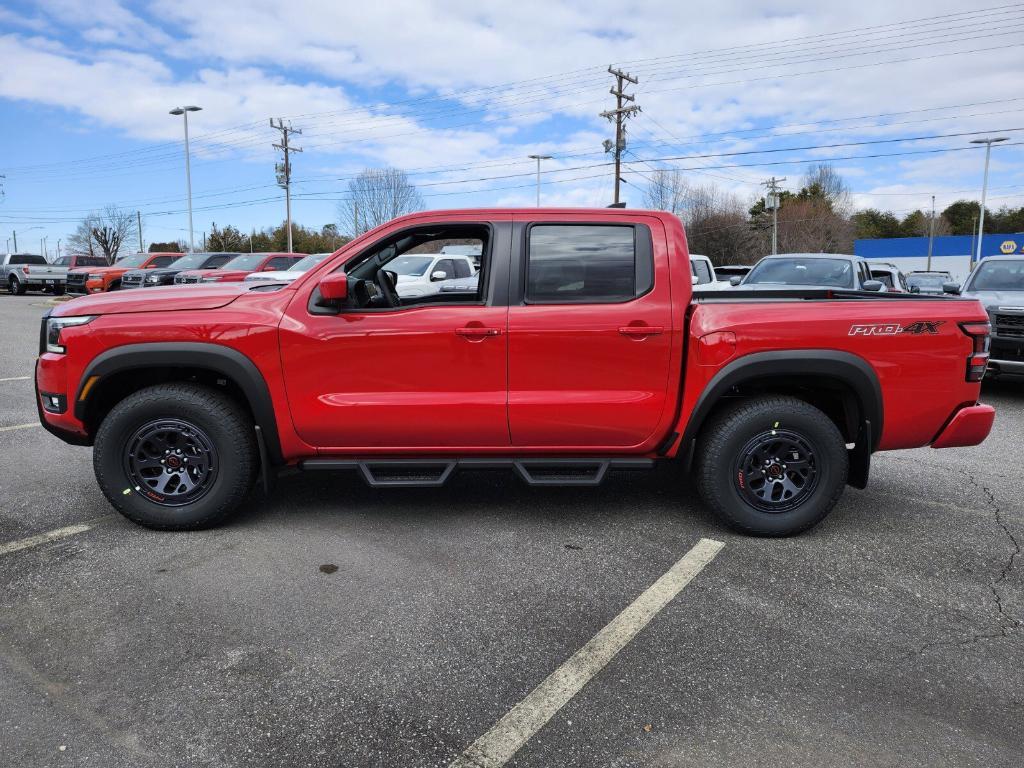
point(1007, 622)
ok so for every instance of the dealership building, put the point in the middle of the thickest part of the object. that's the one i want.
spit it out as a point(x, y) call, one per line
point(952, 253)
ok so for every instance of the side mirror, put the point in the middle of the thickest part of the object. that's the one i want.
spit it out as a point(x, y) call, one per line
point(915, 289)
point(438, 274)
point(334, 287)
point(735, 280)
point(694, 280)
point(951, 288)
point(873, 285)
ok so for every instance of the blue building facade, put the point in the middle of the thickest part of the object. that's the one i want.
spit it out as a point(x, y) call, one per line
point(884, 249)
point(950, 253)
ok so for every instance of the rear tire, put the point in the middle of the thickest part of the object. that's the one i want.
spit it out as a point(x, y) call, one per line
point(771, 466)
point(176, 457)
point(58, 290)
point(15, 287)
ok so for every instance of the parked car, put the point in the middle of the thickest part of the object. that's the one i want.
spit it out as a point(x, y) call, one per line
point(287, 275)
point(422, 274)
point(583, 350)
point(703, 272)
point(23, 272)
point(928, 282)
point(79, 260)
point(98, 279)
point(998, 283)
point(152, 278)
point(809, 270)
point(240, 266)
point(890, 276)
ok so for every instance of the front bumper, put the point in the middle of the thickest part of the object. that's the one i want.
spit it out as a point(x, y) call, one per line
point(969, 426)
point(50, 378)
point(1007, 352)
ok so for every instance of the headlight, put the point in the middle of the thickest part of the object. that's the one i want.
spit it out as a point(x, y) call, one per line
point(55, 325)
point(95, 277)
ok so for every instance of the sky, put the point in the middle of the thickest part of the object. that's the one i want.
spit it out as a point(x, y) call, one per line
point(459, 94)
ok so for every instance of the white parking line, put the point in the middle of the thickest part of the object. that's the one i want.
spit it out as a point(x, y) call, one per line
point(42, 538)
point(20, 426)
point(503, 740)
point(17, 378)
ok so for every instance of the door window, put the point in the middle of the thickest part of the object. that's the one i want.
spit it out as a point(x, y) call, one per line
point(702, 271)
point(585, 263)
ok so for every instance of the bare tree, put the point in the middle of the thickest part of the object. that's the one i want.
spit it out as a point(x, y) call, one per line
point(666, 191)
point(104, 232)
point(375, 197)
point(822, 179)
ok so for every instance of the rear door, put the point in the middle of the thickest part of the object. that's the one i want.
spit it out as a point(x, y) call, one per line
point(591, 332)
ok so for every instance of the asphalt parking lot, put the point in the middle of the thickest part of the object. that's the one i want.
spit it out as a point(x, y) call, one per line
point(336, 625)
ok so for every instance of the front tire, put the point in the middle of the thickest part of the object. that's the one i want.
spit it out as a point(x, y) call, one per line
point(772, 466)
point(176, 457)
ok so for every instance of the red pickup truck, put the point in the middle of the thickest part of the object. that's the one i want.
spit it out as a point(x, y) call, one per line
point(581, 348)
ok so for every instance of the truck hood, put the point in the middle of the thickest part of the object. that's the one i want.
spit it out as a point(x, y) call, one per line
point(171, 298)
point(996, 299)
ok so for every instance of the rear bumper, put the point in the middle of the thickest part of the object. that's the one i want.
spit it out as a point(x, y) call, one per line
point(969, 426)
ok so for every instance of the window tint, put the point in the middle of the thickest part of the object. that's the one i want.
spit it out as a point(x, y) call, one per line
point(580, 263)
point(26, 258)
point(444, 265)
point(462, 268)
point(884, 277)
point(215, 262)
point(90, 261)
point(162, 261)
point(702, 271)
point(279, 262)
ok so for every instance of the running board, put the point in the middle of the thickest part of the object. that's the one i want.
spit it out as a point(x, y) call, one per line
point(420, 473)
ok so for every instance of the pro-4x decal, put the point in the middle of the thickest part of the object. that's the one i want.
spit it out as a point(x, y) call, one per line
point(894, 329)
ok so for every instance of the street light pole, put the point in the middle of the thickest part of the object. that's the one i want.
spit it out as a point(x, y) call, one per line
point(183, 111)
point(984, 188)
point(538, 158)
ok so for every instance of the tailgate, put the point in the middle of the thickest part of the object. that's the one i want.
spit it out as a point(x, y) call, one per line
point(48, 274)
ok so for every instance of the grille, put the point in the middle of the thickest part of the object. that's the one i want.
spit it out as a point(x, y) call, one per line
point(1009, 325)
point(76, 282)
point(131, 281)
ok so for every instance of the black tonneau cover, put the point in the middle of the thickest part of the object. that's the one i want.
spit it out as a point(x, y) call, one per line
point(816, 294)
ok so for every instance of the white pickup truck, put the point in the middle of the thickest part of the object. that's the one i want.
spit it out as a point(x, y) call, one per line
point(22, 272)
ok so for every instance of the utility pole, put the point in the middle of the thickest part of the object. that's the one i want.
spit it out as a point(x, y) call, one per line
point(625, 108)
point(538, 158)
point(58, 249)
point(15, 240)
point(138, 218)
point(772, 200)
point(931, 236)
point(284, 170)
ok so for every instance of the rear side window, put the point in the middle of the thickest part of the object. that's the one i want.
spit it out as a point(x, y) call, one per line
point(586, 263)
point(215, 262)
point(702, 271)
point(90, 261)
point(26, 258)
point(279, 262)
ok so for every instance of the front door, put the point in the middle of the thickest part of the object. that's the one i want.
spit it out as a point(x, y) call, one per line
point(430, 373)
point(590, 334)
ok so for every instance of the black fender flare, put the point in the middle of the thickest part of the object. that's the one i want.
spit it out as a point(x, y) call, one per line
point(849, 369)
point(226, 361)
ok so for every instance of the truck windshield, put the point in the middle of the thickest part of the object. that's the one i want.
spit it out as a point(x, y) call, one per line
point(90, 261)
point(191, 261)
point(307, 263)
point(414, 266)
point(926, 281)
point(999, 276)
point(836, 273)
point(246, 263)
point(135, 260)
